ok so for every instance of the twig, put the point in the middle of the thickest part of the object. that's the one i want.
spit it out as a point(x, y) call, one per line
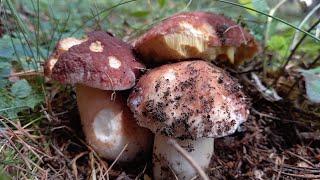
point(27, 73)
point(74, 164)
point(281, 167)
point(141, 173)
point(93, 169)
point(185, 154)
point(267, 92)
point(305, 176)
point(172, 171)
point(303, 159)
point(242, 34)
point(114, 162)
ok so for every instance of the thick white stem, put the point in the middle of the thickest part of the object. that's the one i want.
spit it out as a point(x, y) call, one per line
point(168, 162)
point(109, 125)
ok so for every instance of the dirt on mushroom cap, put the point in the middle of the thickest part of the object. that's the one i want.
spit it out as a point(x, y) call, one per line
point(190, 99)
point(196, 35)
point(102, 61)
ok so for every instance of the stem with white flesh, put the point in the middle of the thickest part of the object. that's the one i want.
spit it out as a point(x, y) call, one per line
point(109, 125)
point(168, 162)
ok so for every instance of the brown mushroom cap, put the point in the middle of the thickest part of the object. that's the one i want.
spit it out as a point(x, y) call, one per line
point(190, 99)
point(194, 35)
point(102, 61)
point(62, 46)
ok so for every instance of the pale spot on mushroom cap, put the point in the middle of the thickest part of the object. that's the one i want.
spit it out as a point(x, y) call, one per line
point(96, 46)
point(224, 97)
point(170, 75)
point(114, 62)
point(67, 43)
point(106, 125)
point(51, 63)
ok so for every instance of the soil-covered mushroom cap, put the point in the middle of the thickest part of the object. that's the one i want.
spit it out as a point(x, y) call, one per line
point(102, 61)
point(189, 99)
point(196, 35)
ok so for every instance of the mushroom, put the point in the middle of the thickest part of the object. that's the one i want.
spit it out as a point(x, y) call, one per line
point(97, 67)
point(109, 125)
point(192, 102)
point(192, 35)
point(62, 46)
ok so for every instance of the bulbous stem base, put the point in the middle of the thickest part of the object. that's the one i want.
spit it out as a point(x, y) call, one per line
point(168, 162)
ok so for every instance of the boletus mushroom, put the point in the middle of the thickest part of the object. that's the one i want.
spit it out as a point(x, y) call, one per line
point(192, 35)
point(99, 67)
point(62, 46)
point(192, 102)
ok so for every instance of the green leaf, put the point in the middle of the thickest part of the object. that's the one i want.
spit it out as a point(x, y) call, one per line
point(279, 44)
point(6, 50)
point(162, 3)
point(312, 81)
point(260, 5)
point(10, 105)
point(21, 89)
point(140, 13)
point(5, 70)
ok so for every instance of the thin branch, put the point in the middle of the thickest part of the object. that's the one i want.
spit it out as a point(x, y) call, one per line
point(115, 161)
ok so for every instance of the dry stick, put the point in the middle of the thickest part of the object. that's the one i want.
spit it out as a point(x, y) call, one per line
point(293, 51)
point(185, 154)
point(174, 174)
point(74, 164)
point(306, 176)
point(114, 162)
point(302, 158)
point(18, 151)
point(93, 169)
point(281, 168)
point(141, 173)
point(25, 145)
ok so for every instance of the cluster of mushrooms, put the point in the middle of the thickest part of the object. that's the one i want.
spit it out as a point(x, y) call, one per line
point(181, 96)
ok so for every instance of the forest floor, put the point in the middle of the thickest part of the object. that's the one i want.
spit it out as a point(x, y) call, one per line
point(280, 140)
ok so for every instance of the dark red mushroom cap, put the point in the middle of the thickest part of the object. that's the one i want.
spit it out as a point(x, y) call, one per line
point(193, 35)
point(102, 61)
point(190, 99)
point(62, 46)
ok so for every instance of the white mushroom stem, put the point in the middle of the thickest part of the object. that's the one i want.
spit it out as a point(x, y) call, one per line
point(168, 162)
point(108, 125)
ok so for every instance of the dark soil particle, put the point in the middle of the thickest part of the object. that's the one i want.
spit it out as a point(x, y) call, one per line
point(156, 111)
